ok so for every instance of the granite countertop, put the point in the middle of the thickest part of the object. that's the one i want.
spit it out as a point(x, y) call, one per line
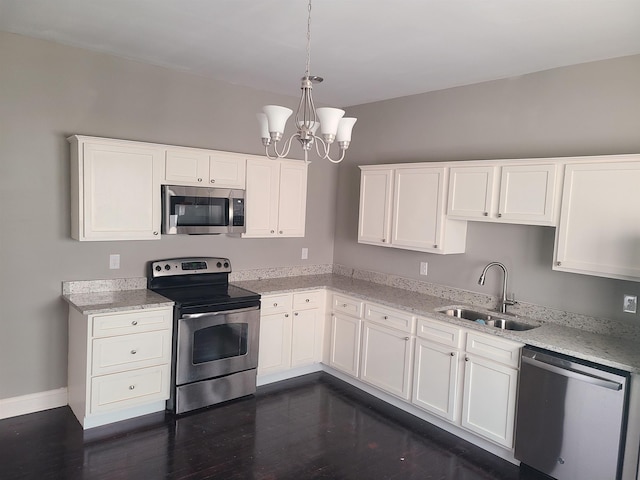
point(114, 301)
point(616, 352)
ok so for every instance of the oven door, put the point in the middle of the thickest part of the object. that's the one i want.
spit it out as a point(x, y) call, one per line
point(214, 344)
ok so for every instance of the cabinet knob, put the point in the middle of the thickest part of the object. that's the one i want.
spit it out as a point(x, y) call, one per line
point(344, 305)
point(307, 300)
point(384, 240)
point(295, 314)
point(486, 214)
point(213, 180)
point(134, 322)
point(435, 246)
point(286, 315)
point(558, 263)
point(280, 232)
point(155, 233)
point(132, 387)
point(499, 215)
point(273, 231)
point(466, 359)
point(386, 317)
point(275, 304)
point(453, 354)
point(199, 179)
point(133, 352)
point(406, 338)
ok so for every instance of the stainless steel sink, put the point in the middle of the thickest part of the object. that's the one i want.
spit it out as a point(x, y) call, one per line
point(488, 319)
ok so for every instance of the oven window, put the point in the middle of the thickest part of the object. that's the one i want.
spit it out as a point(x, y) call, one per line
point(218, 342)
point(200, 211)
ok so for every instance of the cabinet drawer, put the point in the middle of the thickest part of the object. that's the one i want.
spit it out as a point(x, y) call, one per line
point(347, 305)
point(494, 348)
point(442, 333)
point(389, 317)
point(125, 323)
point(305, 300)
point(128, 389)
point(126, 352)
point(275, 304)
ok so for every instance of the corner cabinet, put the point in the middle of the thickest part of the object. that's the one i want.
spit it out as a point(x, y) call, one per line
point(404, 207)
point(276, 198)
point(599, 231)
point(119, 364)
point(115, 189)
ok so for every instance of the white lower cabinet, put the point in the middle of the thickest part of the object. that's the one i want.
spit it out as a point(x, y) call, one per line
point(291, 331)
point(119, 364)
point(386, 359)
point(484, 402)
point(345, 343)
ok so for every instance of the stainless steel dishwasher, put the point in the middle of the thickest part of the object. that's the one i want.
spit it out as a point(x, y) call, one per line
point(571, 416)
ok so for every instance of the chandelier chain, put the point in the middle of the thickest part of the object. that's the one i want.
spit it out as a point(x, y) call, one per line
point(308, 65)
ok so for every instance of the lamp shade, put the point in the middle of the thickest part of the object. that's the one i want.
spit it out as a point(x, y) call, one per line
point(277, 117)
point(264, 125)
point(329, 119)
point(344, 129)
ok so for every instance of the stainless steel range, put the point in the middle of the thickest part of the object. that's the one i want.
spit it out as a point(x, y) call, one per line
point(216, 327)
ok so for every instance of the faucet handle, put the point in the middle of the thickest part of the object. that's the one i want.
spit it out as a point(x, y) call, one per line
point(510, 301)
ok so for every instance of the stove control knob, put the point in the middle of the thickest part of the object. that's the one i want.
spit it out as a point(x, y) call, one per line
point(226, 264)
point(219, 265)
point(158, 268)
point(167, 267)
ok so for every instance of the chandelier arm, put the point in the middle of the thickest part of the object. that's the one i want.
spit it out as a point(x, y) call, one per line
point(285, 150)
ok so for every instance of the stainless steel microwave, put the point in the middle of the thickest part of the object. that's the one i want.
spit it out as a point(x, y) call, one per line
point(202, 210)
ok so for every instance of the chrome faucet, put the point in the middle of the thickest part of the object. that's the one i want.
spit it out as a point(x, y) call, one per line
point(505, 301)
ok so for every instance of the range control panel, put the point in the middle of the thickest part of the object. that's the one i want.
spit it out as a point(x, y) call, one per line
point(190, 266)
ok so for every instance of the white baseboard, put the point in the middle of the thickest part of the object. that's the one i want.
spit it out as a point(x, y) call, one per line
point(34, 402)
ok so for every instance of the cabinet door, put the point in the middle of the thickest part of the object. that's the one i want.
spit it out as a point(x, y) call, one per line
point(599, 229)
point(471, 192)
point(375, 207)
point(274, 352)
point(435, 378)
point(489, 400)
point(527, 194)
point(345, 344)
point(386, 359)
point(418, 208)
point(185, 166)
point(261, 200)
point(227, 170)
point(121, 192)
point(292, 204)
point(306, 337)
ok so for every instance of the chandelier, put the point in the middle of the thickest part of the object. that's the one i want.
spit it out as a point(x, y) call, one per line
point(331, 122)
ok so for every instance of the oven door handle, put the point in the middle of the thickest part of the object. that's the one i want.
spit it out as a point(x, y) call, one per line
point(223, 312)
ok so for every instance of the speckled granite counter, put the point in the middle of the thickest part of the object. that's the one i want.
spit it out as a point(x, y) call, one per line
point(617, 352)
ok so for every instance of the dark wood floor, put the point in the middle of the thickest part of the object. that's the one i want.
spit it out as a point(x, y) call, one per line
point(308, 428)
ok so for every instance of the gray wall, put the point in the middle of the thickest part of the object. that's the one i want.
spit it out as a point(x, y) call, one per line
point(48, 92)
point(588, 109)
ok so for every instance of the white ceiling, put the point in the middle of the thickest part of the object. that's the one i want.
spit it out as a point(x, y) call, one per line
point(367, 50)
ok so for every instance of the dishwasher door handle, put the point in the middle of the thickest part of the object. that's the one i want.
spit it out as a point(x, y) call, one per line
point(569, 372)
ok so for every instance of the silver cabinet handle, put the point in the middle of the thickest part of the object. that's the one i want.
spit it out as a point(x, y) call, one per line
point(131, 387)
point(199, 179)
point(134, 322)
point(558, 263)
point(296, 314)
point(486, 214)
point(466, 359)
point(406, 338)
point(273, 231)
point(280, 232)
point(307, 300)
point(133, 352)
point(286, 315)
point(383, 240)
point(344, 305)
point(499, 215)
point(385, 317)
point(155, 233)
point(453, 354)
point(435, 246)
point(213, 180)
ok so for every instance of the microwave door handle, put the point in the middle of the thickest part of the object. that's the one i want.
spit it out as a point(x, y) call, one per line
point(230, 210)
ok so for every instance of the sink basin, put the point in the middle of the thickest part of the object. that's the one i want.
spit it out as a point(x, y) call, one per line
point(488, 319)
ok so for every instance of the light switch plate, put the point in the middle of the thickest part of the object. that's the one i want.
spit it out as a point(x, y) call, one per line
point(423, 268)
point(305, 254)
point(114, 261)
point(630, 304)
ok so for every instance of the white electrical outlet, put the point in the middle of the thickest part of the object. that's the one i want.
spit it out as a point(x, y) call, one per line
point(423, 268)
point(114, 261)
point(305, 254)
point(630, 304)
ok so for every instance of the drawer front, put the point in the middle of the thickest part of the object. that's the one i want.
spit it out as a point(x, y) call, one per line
point(128, 389)
point(389, 317)
point(132, 322)
point(348, 306)
point(126, 352)
point(442, 333)
point(271, 304)
point(494, 348)
point(303, 300)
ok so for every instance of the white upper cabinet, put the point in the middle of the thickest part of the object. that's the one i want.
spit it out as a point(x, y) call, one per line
point(523, 193)
point(115, 188)
point(204, 168)
point(276, 198)
point(404, 207)
point(599, 231)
